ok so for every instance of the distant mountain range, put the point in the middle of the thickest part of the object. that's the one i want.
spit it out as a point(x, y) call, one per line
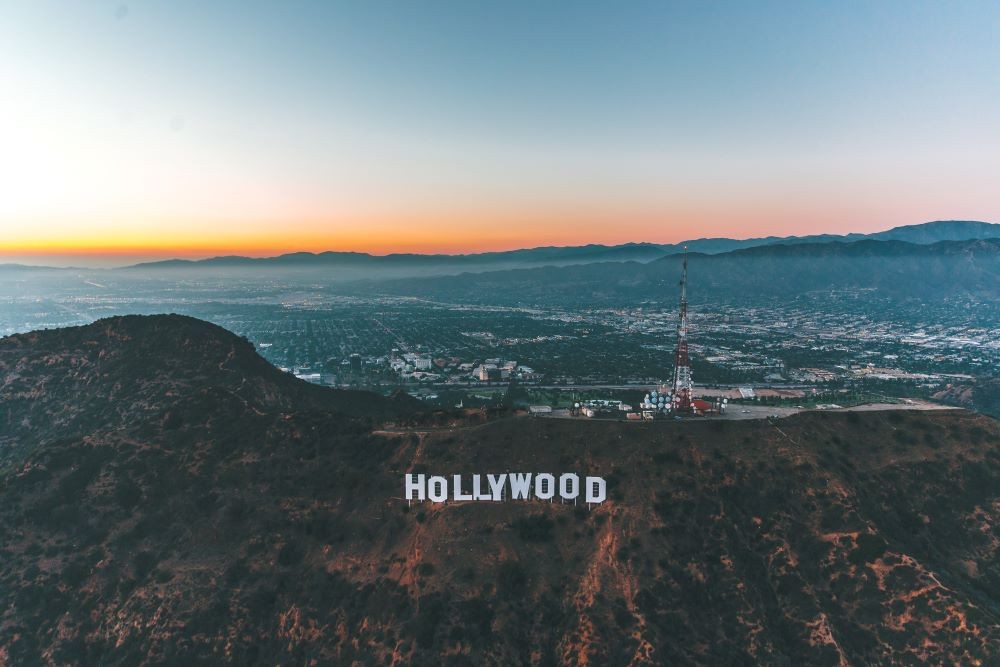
point(359, 265)
point(543, 255)
point(353, 265)
point(903, 263)
point(894, 269)
point(167, 497)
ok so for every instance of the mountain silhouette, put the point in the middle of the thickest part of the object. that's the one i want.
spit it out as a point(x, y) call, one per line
point(893, 269)
point(355, 263)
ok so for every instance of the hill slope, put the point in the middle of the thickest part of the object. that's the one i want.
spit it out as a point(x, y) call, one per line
point(941, 230)
point(248, 531)
point(894, 269)
point(162, 370)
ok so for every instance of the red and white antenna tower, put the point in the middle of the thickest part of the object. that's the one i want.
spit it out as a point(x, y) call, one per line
point(681, 396)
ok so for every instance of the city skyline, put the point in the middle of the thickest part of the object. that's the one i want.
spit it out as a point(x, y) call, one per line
point(143, 131)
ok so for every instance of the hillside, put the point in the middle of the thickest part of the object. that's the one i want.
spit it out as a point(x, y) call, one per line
point(894, 269)
point(175, 500)
point(941, 230)
point(159, 371)
point(981, 394)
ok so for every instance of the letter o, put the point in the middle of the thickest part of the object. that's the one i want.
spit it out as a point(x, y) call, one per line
point(569, 486)
point(545, 485)
point(437, 489)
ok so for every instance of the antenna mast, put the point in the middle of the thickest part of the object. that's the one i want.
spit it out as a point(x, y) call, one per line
point(682, 384)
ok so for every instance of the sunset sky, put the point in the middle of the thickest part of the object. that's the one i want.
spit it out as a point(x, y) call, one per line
point(159, 129)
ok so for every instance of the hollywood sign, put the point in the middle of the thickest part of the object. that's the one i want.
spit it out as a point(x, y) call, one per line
point(505, 486)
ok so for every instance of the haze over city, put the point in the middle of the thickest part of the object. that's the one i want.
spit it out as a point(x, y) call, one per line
point(136, 131)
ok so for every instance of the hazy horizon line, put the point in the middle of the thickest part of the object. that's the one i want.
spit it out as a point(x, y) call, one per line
point(136, 256)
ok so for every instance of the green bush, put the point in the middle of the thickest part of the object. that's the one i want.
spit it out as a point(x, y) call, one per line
point(535, 528)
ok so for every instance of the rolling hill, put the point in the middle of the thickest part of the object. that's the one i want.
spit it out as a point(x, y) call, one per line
point(893, 269)
point(67, 383)
point(168, 498)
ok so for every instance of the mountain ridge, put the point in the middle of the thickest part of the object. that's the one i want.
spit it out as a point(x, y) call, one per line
point(350, 265)
point(929, 232)
point(895, 269)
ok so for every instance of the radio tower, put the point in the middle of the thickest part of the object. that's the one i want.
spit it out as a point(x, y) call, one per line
point(681, 396)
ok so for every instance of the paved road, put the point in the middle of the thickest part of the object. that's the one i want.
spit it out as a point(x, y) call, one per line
point(914, 404)
point(737, 412)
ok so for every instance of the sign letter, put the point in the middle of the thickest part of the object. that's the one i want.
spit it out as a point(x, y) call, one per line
point(437, 489)
point(569, 486)
point(520, 483)
point(597, 490)
point(496, 485)
point(457, 493)
point(477, 489)
point(545, 485)
point(415, 486)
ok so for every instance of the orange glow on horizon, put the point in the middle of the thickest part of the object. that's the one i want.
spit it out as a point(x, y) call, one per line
point(427, 232)
point(452, 234)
